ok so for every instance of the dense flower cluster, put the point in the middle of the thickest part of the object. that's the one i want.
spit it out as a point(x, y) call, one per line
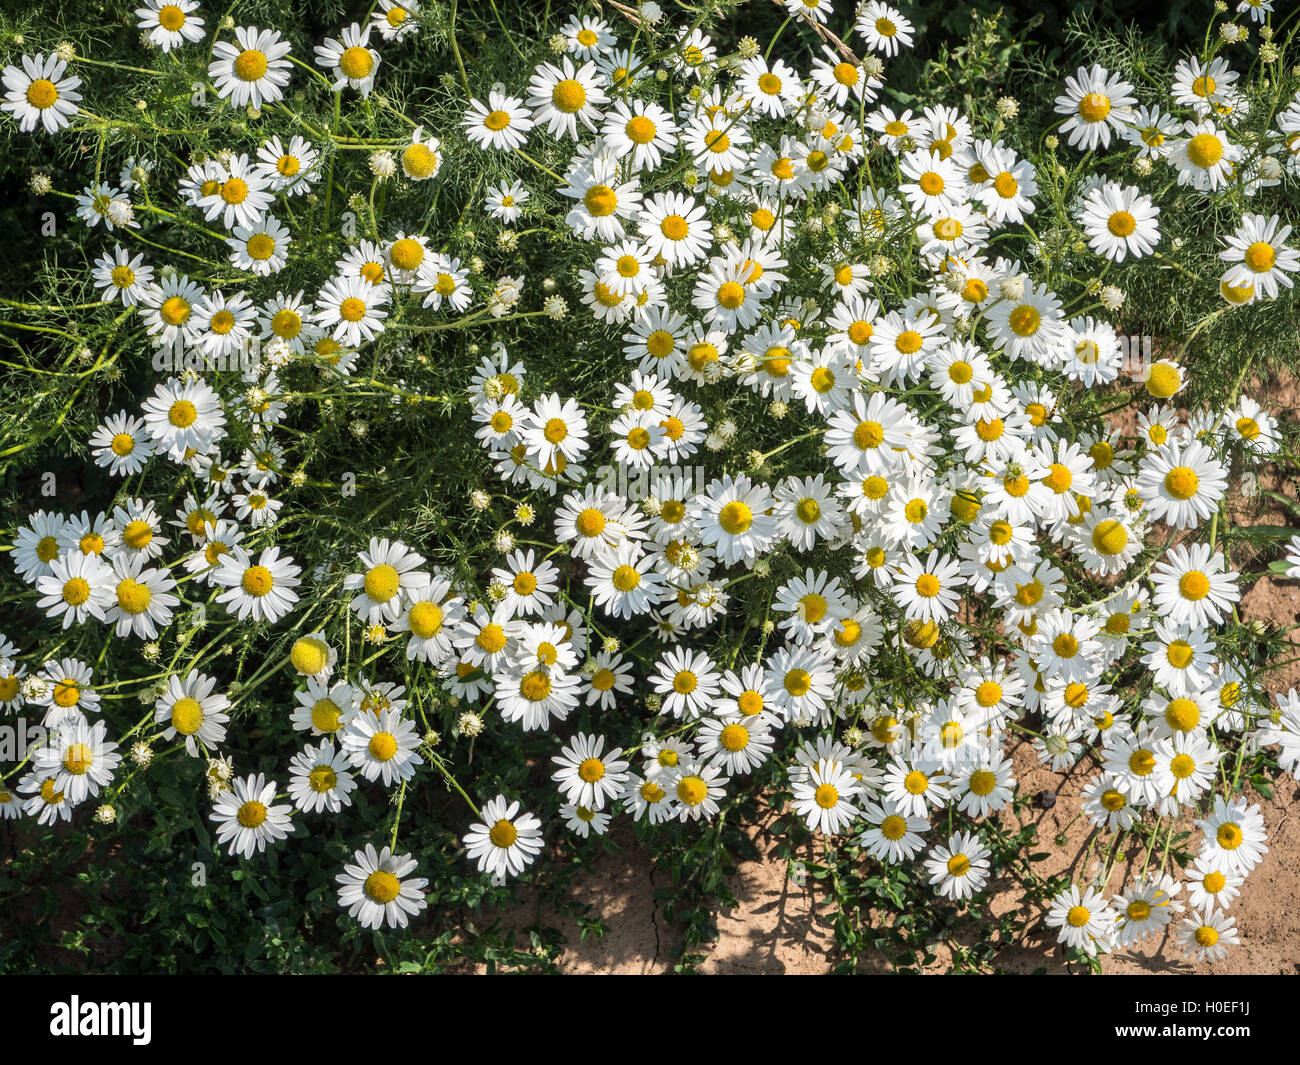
point(966, 552)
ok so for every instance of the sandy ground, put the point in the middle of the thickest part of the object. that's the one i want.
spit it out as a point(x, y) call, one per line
point(780, 926)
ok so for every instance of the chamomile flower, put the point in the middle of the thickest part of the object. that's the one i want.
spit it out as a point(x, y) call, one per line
point(1097, 103)
point(1234, 835)
point(121, 445)
point(350, 59)
point(319, 779)
point(37, 93)
point(1119, 221)
point(396, 19)
point(1204, 157)
point(121, 276)
point(247, 817)
point(697, 788)
point(377, 889)
point(588, 775)
point(262, 590)
point(381, 746)
point(255, 71)
point(290, 170)
point(242, 195)
point(824, 796)
point(1207, 935)
point(895, 834)
point(1193, 587)
point(352, 309)
point(740, 745)
point(505, 841)
point(883, 28)
point(1181, 484)
point(170, 23)
point(505, 202)
point(262, 248)
point(732, 516)
point(1259, 255)
point(563, 96)
point(192, 708)
point(688, 682)
point(960, 869)
point(502, 123)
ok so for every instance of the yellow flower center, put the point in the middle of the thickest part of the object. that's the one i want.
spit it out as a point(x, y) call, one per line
point(1094, 107)
point(1024, 320)
point(406, 253)
point(426, 620)
point(260, 247)
point(568, 96)
point(1204, 150)
point(42, 93)
point(1181, 482)
point(1260, 256)
point(356, 63)
point(133, 597)
point(187, 716)
point(503, 833)
point(251, 814)
point(257, 580)
point(1121, 224)
point(382, 582)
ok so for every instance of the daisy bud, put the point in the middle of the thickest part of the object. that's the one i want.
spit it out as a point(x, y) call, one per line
point(151, 652)
point(1231, 32)
point(507, 240)
point(1012, 288)
point(479, 499)
point(1007, 107)
point(652, 506)
point(66, 50)
point(748, 48)
point(34, 689)
point(497, 591)
point(476, 266)
point(778, 409)
point(556, 307)
point(298, 478)
point(1220, 7)
point(504, 541)
point(873, 66)
point(762, 568)
point(714, 442)
point(754, 460)
point(227, 23)
point(470, 724)
point(1142, 166)
point(559, 44)
point(816, 225)
point(1270, 169)
point(142, 754)
point(40, 184)
point(853, 737)
point(653, 702)
point(880, 265)
point(105, 815)
point(769, 627)
point(382, 164)
point(651, 12)
point(525, 514)
point(610, 645)
point(1112, 297)
point(548, 285)
point(723, 234)
point(661, 75)
point(726, 429)
point(1052, 143)
point(359, 428)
